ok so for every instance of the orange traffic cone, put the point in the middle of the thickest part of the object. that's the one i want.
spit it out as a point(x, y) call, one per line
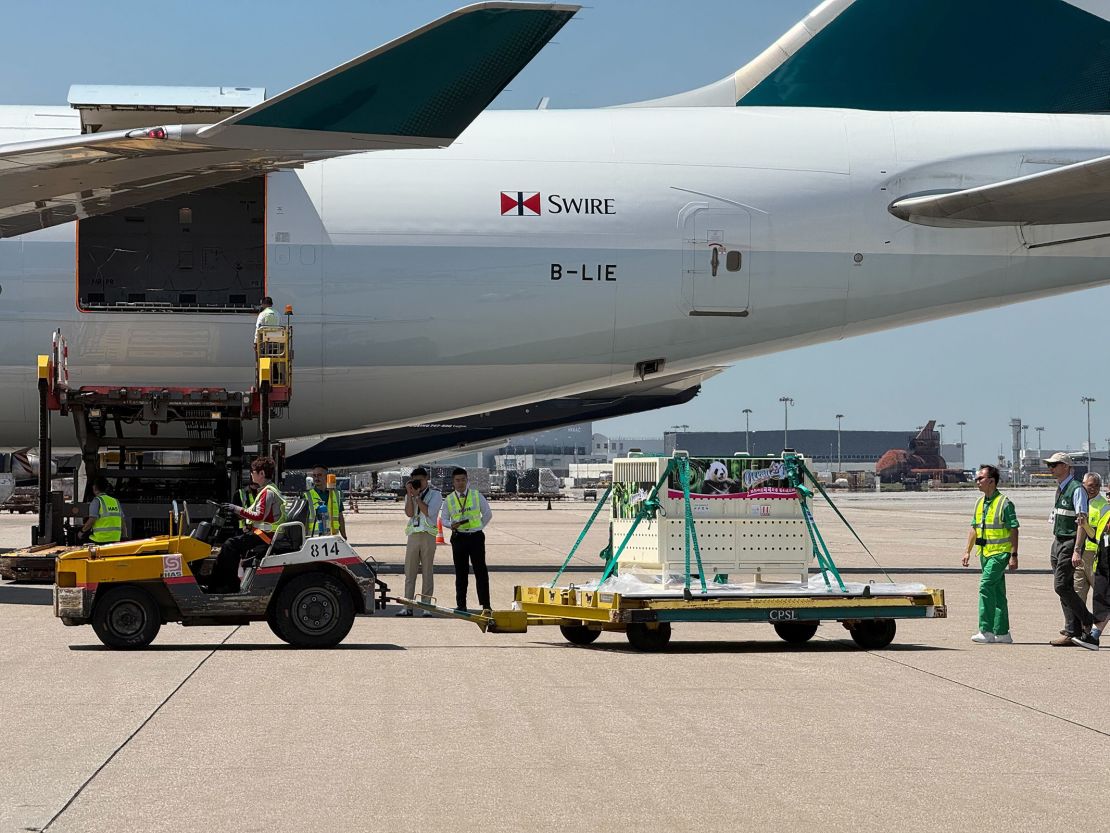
point(439, 531)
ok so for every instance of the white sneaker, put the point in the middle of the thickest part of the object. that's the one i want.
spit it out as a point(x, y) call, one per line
point(1003, 638)
point(984, 638)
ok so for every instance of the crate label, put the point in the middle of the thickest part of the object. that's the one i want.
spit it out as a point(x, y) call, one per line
point(761, 511)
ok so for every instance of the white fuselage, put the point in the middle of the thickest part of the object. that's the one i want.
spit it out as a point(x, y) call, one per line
point(416, 299)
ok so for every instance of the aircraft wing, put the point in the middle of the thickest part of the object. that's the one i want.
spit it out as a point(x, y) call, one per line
point(1078, 193)
point(419, 91)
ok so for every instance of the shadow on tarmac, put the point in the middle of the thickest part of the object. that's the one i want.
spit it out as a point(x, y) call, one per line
point(720, 647)
point(346, 646)
point(23, 595)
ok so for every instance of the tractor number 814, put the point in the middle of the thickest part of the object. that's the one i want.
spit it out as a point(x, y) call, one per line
point(318, 550)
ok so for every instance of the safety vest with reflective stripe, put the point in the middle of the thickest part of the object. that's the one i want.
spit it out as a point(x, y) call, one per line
point(1095, 510)
point(419, 522)
point(1102, 537)
point(269, 526)
point(244, 499)
point(335, 506)
point(991, 529)
point(1064, 524)
point(468, 510)
point(108, 527)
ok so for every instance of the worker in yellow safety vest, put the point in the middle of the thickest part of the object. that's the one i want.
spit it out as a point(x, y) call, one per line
point(263, 517)
point(325, 506)
point(994, 530)
point(105, 522)
point(1100, 574)
point(466, 513)
point(1097, 506)
point(245, 497)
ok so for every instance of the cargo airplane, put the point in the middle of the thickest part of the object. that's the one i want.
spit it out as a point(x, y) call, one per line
point(458, 274)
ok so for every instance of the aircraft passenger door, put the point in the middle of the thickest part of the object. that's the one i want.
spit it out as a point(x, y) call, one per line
point(716, 255)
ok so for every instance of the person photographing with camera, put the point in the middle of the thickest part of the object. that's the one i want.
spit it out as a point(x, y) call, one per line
point(422, 506)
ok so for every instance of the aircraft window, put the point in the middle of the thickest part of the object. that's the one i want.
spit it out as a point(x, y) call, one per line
point(198, 252)
point(732, 261)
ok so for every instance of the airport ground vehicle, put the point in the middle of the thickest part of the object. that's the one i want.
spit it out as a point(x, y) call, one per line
point(308, 590)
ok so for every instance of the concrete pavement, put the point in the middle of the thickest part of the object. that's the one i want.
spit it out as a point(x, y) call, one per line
point(422, 724)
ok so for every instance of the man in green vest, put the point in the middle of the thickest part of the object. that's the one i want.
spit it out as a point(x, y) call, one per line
point(994, 530)
point(466, 513)
point(1067, 553)
point(325, 506)
point(105, 522)
point(1096, 507)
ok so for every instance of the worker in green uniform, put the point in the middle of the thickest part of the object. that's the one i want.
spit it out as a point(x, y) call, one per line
point(994, 530)
point(105, 522)
point(1097, 506)
point(1067, 553)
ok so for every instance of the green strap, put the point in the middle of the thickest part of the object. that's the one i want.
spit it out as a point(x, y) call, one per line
point(691, 534)
point(648, 507)
point(582, 534)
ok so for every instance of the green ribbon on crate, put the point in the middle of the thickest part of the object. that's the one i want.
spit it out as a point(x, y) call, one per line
point(691, 535)
point(582, 534)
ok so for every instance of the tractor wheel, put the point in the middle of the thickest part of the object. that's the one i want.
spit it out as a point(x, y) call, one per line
point(873, 634)
point(796, 632)
point(644, 637)
point(313, 610)
point(126, 617)
point(579, 634)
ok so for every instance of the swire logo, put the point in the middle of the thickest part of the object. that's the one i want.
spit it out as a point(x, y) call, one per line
point(520, 203)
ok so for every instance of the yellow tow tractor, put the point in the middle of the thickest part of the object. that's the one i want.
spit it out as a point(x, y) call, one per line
point(308, 590)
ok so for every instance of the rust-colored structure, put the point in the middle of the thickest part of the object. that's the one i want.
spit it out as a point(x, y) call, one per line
point(920, 461)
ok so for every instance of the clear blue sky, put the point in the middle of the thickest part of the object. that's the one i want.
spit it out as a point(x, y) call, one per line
point(614, 51)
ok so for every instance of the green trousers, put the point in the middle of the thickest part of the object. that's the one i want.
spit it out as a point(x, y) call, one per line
point(994, 614)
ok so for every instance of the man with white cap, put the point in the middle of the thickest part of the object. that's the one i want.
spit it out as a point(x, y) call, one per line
point(1067, 553)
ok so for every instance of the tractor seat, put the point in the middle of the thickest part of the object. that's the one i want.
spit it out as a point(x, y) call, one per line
point(290, 535)
point(298, 511)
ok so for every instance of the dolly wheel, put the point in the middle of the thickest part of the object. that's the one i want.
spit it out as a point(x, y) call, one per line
point(313, 610)
point(579, 634)
point(873, 634)
point(126, 617)
point(644, 637)
point(796, 632)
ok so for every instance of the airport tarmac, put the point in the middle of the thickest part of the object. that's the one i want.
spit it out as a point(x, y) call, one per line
point(428, 724)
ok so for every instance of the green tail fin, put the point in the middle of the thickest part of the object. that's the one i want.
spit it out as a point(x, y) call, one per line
point(1020, 56)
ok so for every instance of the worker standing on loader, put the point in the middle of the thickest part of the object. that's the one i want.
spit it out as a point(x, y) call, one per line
point(267, 317)
point(263, 517)
point(105, 522)
point(994, 529)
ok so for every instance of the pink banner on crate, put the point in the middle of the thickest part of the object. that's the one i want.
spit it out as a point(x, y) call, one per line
point(767, 492)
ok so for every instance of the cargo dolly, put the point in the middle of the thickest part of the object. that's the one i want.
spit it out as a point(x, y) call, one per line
point(762, 527)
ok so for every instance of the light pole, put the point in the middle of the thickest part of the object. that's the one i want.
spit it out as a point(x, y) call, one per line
point(1040, 454)
point(1025, 445)
point(940, 432)
point(786, 403)
point(1087, 400)
point(963, 449)
point(747, 412)
point(839, 466)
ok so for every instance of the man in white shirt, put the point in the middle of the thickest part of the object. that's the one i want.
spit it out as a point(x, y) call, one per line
point(422, 505)
point(266, 315)
point(466, 513)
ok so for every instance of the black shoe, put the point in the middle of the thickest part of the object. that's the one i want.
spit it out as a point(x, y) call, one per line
point(1087, 641)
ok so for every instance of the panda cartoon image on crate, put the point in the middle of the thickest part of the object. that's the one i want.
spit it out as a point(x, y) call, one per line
point(717, 481)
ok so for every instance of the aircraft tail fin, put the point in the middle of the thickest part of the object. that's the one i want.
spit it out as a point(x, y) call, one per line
point(1036, 56)
point(420, 90)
